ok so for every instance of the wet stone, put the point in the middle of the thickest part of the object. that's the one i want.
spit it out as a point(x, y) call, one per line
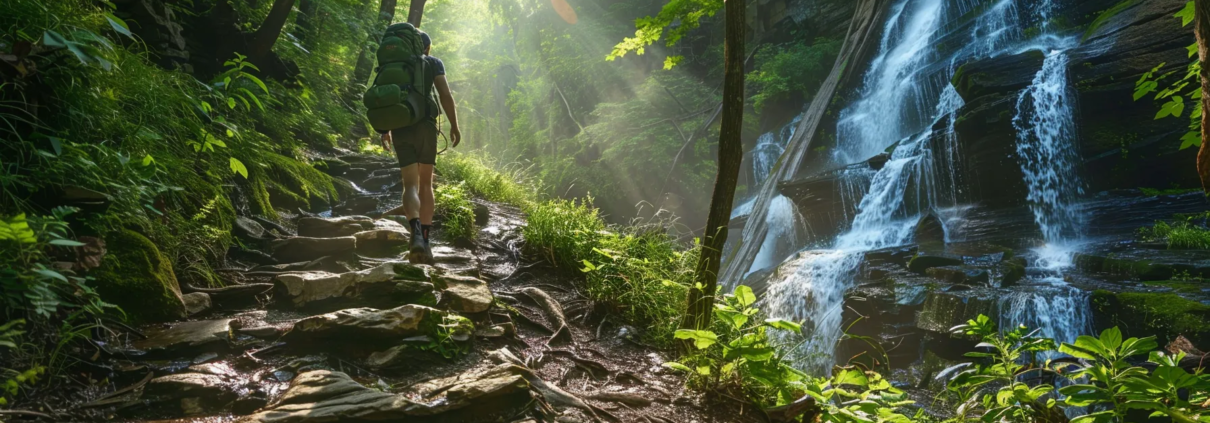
point(196, 302)
point(377, 239)
point(326, 396)
point(958, 274)
point(387, 285)
point(306, 249)
point(357, 205)
point(923, 262)
point(464, 294)
point(248, 228)
point(186, 336)
point(364, 325)
point(318, 227)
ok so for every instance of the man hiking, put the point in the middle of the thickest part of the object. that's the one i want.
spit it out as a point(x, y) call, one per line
point(416, 148)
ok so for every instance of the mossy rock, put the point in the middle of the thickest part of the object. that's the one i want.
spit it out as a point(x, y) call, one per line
point(1164, 315)
point(923, 262)
point(1143, 269)
point(135, 276)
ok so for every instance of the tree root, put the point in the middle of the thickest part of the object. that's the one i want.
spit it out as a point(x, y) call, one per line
point(620, 397)
point(552, 394)
point(554, 313)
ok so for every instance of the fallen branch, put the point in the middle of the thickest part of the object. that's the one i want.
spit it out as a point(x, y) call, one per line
point(111, 398)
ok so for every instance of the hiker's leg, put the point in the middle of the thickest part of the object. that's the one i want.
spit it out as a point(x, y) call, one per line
point(411, 191)
point(426, 194)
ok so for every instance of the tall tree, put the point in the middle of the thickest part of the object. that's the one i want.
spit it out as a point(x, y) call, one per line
point(270, 30)
point(365, 60)
point(415, 11)
point(1202, 29)
point(730, 153)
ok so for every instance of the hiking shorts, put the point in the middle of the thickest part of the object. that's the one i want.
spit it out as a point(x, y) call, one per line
point(416, 144)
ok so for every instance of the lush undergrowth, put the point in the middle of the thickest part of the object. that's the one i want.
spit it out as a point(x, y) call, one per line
point(1187, 232)
point(453, 206)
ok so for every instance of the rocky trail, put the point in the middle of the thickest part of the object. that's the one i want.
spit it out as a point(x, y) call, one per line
point(326, 321)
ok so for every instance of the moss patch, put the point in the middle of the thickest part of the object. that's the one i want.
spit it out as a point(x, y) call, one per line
point(1194, 286)
point(137, 277)
point(1164, 315)
point(1108, 14)
point(284, 179)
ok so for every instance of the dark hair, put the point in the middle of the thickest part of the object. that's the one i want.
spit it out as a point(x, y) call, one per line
point(424, 38)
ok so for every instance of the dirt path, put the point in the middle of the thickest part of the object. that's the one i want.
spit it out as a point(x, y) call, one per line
point(290, 343)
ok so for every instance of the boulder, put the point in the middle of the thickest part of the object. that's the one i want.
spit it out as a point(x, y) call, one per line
point(482, 214)
point(196, 302)
point(365, 325)
point(248, 228)
point(357, 205)
point(378, 239)
point(190, 393)
point(192, 337)
point(944, 310)
point(305, 248)
point(134, 275)
point(387, 285)
point(318, 227)
point(464, 294)
point(323, 396)
point(923, 262)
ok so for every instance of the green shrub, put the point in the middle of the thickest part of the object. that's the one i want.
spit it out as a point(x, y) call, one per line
point(794, 68)
point(456, 211)
point(1178, 235)
point(512, 185)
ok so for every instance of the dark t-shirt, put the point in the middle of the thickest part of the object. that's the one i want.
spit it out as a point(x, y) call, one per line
point(436, 64)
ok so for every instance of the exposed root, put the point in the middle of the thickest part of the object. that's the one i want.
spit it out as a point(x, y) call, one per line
point(623, 398)
point(554, 314)
point(593, 367)
point(553, 394)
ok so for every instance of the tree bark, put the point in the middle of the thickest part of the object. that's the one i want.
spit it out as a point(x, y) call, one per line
point(1202, 30)
point(306, 23)
point(270, 30)
point(415, 11)
point(365, 60)
point(730, 152)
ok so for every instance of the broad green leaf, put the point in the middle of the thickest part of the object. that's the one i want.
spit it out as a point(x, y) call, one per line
point(702, 339)
point(677, 366)
point(754, 354)
point(1186, 14)
point(588, 266)
point(118, 25)
point(148, 160)
point(239, 168)
point(744, 295)
point(1143, 88)
point(66, 243)
point(1191, 139)
point(703, 370)
point(231, 103)
point(784, 325)
point(736, 319)
point(1174, 107)
point(1111, 338)
point(850, 377)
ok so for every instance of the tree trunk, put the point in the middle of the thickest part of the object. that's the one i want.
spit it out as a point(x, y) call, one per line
point(365, 60)
point(307, 23)
point(730, 153)
point(415, 12)
point(1202, 29)
point(270, 30)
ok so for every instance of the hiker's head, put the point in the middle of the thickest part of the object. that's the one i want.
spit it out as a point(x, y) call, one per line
point(428, 42)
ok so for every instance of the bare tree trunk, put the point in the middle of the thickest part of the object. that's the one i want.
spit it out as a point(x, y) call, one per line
point(1202, 29)
point(730, 153)
point(270, 30)
point(415, 12)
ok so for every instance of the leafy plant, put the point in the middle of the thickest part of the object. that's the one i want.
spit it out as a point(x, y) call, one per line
point(449, 337)
point(1009, 358)
point(1176, 93)
point(456, 211)
point(29, 279)
point(1108, 380)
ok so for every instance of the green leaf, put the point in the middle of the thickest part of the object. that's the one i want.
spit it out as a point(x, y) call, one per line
point(118, 25)
point(703, 370)
point(736, 319)
point(256, 81)
point(1143, 88)
point(1174, 107)
point(148, 160)
point(57, 145)
point(1192, 49)
point(231, 103)
point(1111, 338)
point(1191, 139)
point(784, 325)
point(50, 274)
point(66, 243)
point(744, 295)
point(677, 366)
point(754, 354)
point(702, 339)
point(850, 377)
point(239, 168)
point(588, 266)
point(1186, 14)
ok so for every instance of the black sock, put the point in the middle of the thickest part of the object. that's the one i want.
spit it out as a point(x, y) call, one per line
point(424, 229)
point(416, 227)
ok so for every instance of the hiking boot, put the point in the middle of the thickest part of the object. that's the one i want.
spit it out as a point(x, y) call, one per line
point(418, 243)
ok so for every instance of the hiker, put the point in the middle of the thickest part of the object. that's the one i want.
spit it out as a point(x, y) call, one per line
point(415, 144)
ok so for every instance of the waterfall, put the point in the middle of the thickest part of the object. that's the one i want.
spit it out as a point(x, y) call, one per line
point(764, 155)
point(1046, 146)
point(1055, 311)
point(784, 223)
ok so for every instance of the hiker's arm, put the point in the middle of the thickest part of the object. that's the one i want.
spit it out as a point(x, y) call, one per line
point(447, 105)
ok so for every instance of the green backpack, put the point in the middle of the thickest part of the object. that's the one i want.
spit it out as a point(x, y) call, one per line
point(399, 96)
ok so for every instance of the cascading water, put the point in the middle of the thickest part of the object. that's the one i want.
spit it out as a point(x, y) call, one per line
point(904, 93)
point(764, 155)
point(784, 224)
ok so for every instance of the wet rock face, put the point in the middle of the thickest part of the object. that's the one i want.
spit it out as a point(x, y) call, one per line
point(363, 325)
point(923, 262)
point(304, 249)
point(944, 310)
point(318, 227)
point(387, 285)
point(323, 396)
